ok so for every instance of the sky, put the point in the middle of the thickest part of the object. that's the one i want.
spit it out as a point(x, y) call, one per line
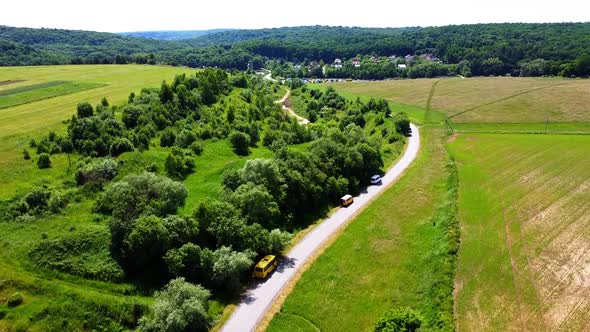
point(145, 15)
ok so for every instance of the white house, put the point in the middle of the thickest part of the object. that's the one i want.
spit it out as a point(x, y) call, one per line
point(338, 63)
point(402, 66)
point(356, 62)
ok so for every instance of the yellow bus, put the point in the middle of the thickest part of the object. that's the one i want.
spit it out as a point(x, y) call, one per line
point(265, 266)
point(346, 200)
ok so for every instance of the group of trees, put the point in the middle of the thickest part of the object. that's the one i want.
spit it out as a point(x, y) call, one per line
point(216, 244)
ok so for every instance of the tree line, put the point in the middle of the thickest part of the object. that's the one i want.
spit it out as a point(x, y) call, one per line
point(517, 49)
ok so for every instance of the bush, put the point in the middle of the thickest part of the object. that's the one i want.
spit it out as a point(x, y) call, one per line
point(197, 147)
point(179, 164)
point(278, 241)
point(84, 110)
point(120, 145)
point(97, 172)
point(85, 254)
point(185, 138)
point(399, 320)
point(180, 306)
point(44, 161)
point(145, 193)
point(168, 138)
point(402, 123)
point(26, 154)
point(15, 300)
point(240, 142)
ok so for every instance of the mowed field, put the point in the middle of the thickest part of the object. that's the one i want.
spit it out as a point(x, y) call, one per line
point(488, 99)
point(522, 154)
point(33, 119)
point(524, 203)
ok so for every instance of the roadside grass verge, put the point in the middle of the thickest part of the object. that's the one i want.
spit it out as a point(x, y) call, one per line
point(524, 207)
point(398, 252)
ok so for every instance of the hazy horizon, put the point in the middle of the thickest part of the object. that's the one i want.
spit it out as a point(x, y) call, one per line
point(175, 15)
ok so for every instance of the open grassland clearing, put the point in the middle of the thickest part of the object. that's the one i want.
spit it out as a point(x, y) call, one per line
point(392, 255)
point(28, 94)
point(525, 205)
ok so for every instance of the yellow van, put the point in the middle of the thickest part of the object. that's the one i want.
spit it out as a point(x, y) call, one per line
point(346, 200)
point(265, 266)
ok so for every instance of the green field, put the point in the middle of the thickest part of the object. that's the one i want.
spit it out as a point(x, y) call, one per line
point(19, 124)
point(29, 94)
point(523, 205)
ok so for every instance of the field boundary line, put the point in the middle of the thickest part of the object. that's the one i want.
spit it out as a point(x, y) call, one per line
point(429, 101)
point(504, 99)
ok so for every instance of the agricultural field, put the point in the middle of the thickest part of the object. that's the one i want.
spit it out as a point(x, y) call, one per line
point(524, 203)
point(40, 114)
point(488, 99)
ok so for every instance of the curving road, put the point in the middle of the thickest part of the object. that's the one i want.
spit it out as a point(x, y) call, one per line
point(259, 298)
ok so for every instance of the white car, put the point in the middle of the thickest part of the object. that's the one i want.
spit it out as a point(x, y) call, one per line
point(375, 179)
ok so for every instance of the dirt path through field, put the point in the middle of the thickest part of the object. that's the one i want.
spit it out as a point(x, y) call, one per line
point(287, 108)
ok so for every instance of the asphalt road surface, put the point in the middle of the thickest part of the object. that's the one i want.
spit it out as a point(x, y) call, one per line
point(261, 295)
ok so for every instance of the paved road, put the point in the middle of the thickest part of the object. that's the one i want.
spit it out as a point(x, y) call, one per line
point(259, 298)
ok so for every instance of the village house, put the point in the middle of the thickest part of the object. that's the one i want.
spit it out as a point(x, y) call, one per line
point(402, 66)
point(356, 62)
point(338, 63)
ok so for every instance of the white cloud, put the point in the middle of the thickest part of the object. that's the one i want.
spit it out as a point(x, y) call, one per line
point(134, 15)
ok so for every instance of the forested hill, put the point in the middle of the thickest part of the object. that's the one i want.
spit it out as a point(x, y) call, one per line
point(511, 42)
point(27, 46)
point(172, 34)
point(482, 49)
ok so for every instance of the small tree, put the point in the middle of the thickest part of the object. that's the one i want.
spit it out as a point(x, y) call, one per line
point(104, 102)
point(84, 110)
point(120, 145)
point(26, 154)
point(240, 142)
point(179, 163)
point(399, 320)
point(44, 161)
point(168, 138)
point(180, 306)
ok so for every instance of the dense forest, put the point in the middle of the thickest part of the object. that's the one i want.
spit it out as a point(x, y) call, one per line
point(481, 49)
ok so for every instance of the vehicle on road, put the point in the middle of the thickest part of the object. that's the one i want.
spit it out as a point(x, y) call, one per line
point(346, 200)
point(376, 179)
point(265, 266)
